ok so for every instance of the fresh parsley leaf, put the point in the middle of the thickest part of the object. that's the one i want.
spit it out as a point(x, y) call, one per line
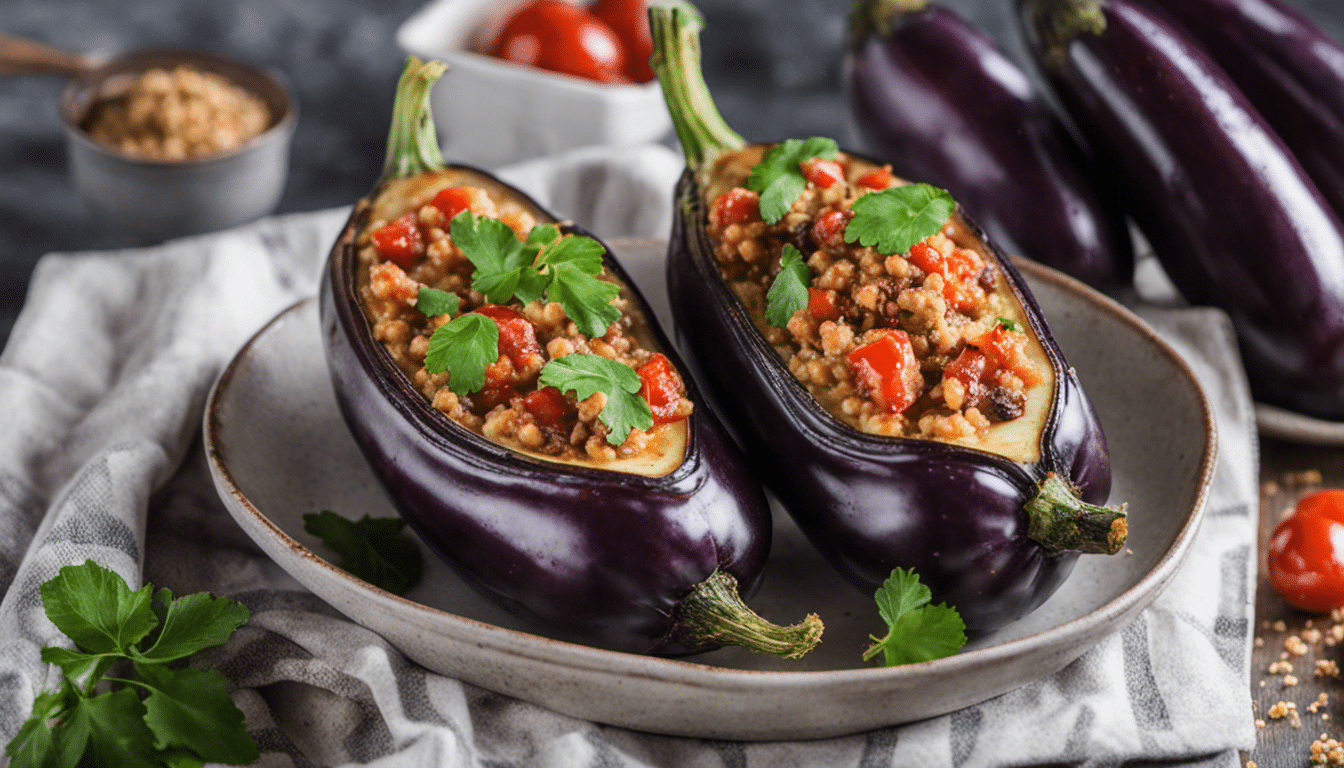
point(187, 717)
point(573, 264)
point(590, 374)
point(190, 709)
point(788, 293)
point(374, 549)
point(895, 219)
point(916, 630)
point(779, 176)
point(500, 258)
point(1009, 323)
point(464, 347)
point(191, 623)
point(93, 607)
point(433, 301)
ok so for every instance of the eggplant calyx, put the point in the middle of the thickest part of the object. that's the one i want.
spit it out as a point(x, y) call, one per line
point(676, 60)
point(412, 144)
point(1057, 22)
point(1060, 521)
point(878, 17)
point(713, 614)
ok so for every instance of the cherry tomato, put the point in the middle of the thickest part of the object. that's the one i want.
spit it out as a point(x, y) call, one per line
point(399, 242)
point(1306, 553)
point(555, 35)
point(629, 19)
point(738, 205)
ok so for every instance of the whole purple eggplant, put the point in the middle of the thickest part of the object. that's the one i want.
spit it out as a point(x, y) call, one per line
point(1289, 68)
point(625, 561)
point(935, 97)
point(1230, 213)
point(991, 536)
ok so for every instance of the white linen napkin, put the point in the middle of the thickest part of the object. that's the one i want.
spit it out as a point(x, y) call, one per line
point(102, 386)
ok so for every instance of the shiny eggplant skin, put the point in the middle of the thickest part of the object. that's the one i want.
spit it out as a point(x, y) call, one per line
point(1289, 68)
point(1230, 213)
point(871, 503)
point(966, 119)
point(595, 556)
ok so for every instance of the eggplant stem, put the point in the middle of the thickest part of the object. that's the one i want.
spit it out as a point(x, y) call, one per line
point(878, 17)
point(1057, 22)
point(1060, 521)
point(714, 614)
point(676, 60)
point(412, 144)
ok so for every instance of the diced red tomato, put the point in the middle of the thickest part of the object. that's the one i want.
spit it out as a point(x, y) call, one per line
point(971, 368)
point(400, 241)
point(738, 205)
point(549, 406)
point(829, 228)
point(1007, 351)
point(877, 179)
point(821, 304)
point(662, 387)
point(960, 271)
point(454, 200)
point(517, 335)
point(491, 395)
point(822, 172)
point(888, 372)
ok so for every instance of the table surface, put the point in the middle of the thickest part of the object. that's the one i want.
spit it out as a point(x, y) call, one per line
point(341, 52)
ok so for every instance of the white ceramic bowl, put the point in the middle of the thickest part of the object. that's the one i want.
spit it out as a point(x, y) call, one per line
point(490, 112)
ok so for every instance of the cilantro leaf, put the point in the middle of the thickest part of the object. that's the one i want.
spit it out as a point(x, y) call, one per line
point(590, 374)
point(464, 347)
point(788, 293)
point(433, 301)
point(191, 623)
point(779, 177)
point(1009, 324)
point(573, 263)
point(373, 549)
point(916, 630)
point(78, 665)
point(93, 607)
point(107, 730)
point(190, 708)
point(499, 256)
point(35, 744)
point(895, 219)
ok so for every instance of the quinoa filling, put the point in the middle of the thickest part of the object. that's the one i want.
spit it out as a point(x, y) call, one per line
point(926, 343)
point(407, 248)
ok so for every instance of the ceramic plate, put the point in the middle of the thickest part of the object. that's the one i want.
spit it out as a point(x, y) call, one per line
point(278, 448)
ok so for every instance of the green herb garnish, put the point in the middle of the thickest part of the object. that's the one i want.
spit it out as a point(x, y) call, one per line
point(374, 549)
point(1009, 324)
point(587, 375)
point(463, 347)
point(779, 176)
point(507, 268)
point(916, 631)
point(788, 293)
point(432, 301)
point(895, 219)
point(185, 716)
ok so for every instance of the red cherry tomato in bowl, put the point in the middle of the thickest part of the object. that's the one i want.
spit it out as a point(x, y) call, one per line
point(629, 19)
point(555, 35)
point(1306, 553)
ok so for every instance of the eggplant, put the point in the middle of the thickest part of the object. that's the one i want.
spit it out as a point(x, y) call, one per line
point(991, 534)
point(627, 561)
point(1289, 69)
point(936, 98)
point(1230, 213)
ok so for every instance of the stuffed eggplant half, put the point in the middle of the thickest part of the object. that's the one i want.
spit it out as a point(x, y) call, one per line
point(884, 367)
point(511, 390)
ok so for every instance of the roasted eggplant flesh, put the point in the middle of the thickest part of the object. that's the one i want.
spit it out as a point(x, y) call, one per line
point(930, 343)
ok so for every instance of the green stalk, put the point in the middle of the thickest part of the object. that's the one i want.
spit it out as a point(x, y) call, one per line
point(676, 60)
point(1060, 521)
point(412, 144)
point(876, 17)
point(1056, 23)
point(714, 614)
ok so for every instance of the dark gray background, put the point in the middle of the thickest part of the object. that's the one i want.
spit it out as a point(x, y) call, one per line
point(774, 66)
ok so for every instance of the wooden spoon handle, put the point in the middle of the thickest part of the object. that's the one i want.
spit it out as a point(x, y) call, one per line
point(26, 57)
